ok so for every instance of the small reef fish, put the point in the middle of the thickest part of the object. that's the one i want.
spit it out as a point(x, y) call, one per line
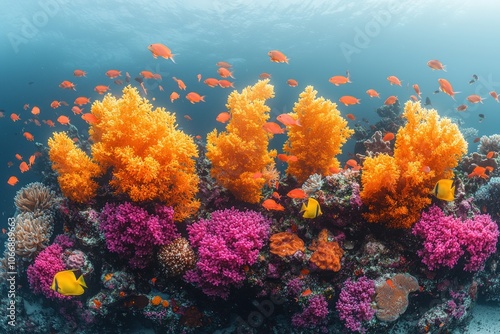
point(427, 102)
point(211, 82)
point(264, 75)
point(286, 119)
point(390, 100)
point(445, 87)
point(292, 82)
point(393, 80)
point(494, 95)
point(474, 98)
point(270, 204)
point(36, 111)
point(436, 65)
point(225, 73)
point(388, 136)
point(223, 117)
point(174, 96)
point(223, 64)
point(195, 97)
point(417, 90)
point(180, 83)
point(225, 84)
point(372, 93)
point(273, 128)
point(445, 190)
point(277, 56)
point(312, 209)
point(113, 74)
point(12, 181)
point(462, 107)
point(81, 100)
point(160, 50)
point(340, 80)
point(67, 85)
point(79, 73)
point(101, 89)
point(349, 100)
point(15, 117)
point(64, 120)
point(69, 283)
point(297, 193)
point(474, 79)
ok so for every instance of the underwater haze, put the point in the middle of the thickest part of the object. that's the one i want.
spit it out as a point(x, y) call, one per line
point(43, 42)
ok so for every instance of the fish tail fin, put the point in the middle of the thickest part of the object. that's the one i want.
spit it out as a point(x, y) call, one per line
point(81, 281)
point(172, 58)
point(203, 98)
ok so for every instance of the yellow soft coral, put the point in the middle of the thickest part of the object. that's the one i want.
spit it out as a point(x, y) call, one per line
point(319, 139)
point(240, 157)
point(76, 172)
point(149, 158)
point(396, 189)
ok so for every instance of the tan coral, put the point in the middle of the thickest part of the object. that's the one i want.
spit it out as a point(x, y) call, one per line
point(33, 197)
point(32, 234)
point(327, 256)
point(286, 244)
point(392, 296)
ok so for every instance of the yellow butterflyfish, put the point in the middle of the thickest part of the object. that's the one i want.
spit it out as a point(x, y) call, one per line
point(312, 209)
point(445, 190)
point(67, 283)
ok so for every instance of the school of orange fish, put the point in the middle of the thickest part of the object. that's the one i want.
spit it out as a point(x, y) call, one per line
point(224, 72)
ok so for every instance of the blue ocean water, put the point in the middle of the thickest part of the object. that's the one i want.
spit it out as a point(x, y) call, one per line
point(43, 42)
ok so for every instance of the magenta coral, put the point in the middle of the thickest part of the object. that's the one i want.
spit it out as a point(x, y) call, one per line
point(41, 273)
point(132, 232)
point(354, 304)
point(447, 239)
point(226, 243)
point(314, 314)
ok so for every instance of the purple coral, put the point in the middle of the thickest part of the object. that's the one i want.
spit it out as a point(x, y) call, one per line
point(354, 304)
point(314, 314)
point(41, 273)
point(226, 243)
point(133, 233)
point(447, 239)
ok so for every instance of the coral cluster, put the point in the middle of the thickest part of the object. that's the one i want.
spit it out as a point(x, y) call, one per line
point(35, 197)
point(286, 244)
point(327, 256)
point(489, 144)
point(314, 314)
point(32, 233)
point(176, 257)
point(149, 157)
point(396, 189)
point(240, 155)
point(225, 243)
point(132, 232)
point(318, 139)
point(484, 195)
point(447, 239)
point(392, 296)
point(354, 303)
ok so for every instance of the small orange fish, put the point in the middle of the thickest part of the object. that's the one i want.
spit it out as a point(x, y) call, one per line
point(426, 169)
point(292, 82)
point(180, 83)
point(81, 100)
point(477, 139)
point(147, 74)
point(211, 82)
point(188, 117)
point(12, 181)
point(14, 117)
point(297, 193)
point(90, 118)
point(64, 120)
point(225, 84)
point(223, 64)
point(306, 293)
point(436, 65)
point(195, 97)
point(18, 157)
point(494, 95)
point(76, 110)
point(54, 105)
point(277, 56)
point(23, 167)
point(223, 117)
point(273, 128)
point(390, 100)
point(97, 303)
point(79, 73)
point(101, 89)
point(32, 160)
point(490, 154)
point(264, 75)
point(153, 280)
point(339, 80)
point(390, 283)
point(270, 204)
point(445, 87)
point(349, 100)
point(36, 111)
point(351, 163)
point(225, 73)
point(462, 107)
point(286, 119)
point(393, 80)
point(372, 93)
point(417, 90)
point(160, 87)
point(474, 98)
point(113, 74)
point(157, 76)
point(351, 117)
point(413, 98)
point(67, 85)
point(388, 136)
point(160, 50)
point(28, 136)
point(174, 96)
point(49, 122)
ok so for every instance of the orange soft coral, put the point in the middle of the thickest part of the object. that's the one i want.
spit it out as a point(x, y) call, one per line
point(396, 189)
point(319, 139)
point(76, 172)
point(149, 158)
point(240, 157)
point(286, 244)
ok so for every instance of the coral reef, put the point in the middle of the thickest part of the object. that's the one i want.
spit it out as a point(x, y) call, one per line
point(447, 239)
point(396, 189)
point(318, 140)
point(133, 233)
point(240, 155)
point(225, 243)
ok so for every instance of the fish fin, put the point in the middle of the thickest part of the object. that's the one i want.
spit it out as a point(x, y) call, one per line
point(81, 281)
point(172, 58)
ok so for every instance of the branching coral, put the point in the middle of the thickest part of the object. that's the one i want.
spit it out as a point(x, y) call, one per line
point(319, 139)
point(397, 188)
point(150, 159)
point(76, 172)
point(240, 153)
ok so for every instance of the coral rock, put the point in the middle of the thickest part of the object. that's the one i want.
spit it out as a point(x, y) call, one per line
point(327, 256)
point(286, 244)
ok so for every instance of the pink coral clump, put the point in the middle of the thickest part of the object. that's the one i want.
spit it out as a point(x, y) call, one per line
point(41, 273)
point(314, 314)
point(354, 304)
point(226, 243)
point(132, 232)
point(447, 239)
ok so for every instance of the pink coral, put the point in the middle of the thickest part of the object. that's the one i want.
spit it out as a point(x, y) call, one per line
point(447, 239)
point(133, 233)
point(314, 314)
point(226, 243)
point(354, 304)
point(41, 273)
